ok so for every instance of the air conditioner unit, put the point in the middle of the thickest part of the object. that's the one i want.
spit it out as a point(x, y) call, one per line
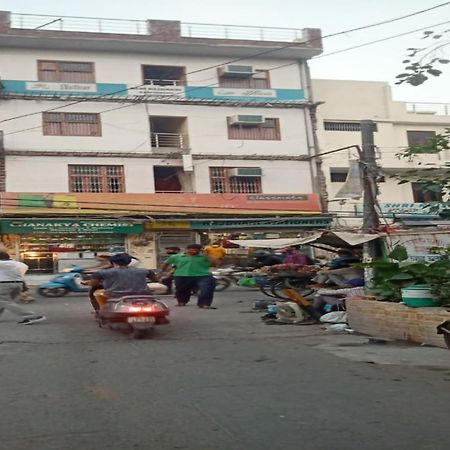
point(237, 71)
point(245, 172)
point(246, 120)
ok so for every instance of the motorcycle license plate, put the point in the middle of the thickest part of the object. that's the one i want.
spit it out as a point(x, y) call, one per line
point(141, 319)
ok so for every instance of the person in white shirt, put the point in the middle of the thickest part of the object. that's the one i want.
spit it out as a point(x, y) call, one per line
point(11, 283)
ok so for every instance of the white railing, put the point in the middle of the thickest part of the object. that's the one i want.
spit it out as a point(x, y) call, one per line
point(253, 33)
point(438, 109)
point(74, 23)
point(158, 82)
point(125, 26)
point(173, 140)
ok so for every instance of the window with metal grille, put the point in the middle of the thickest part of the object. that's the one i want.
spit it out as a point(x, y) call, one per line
point(268, 131)
point(423, 193)
point(94, 178)
point(341, 126)
point(71, 124)
point(420, 137)
point(66, 71)
point(224, 181)
point(259, 80)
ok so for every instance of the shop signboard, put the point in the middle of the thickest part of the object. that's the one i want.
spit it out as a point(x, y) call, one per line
point(399, 210)
point(281, 223)
point(168, 225)
point(36, 226)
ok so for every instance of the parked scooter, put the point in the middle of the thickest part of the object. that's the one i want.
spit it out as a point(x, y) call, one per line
point(63, 283)
point(133, 314)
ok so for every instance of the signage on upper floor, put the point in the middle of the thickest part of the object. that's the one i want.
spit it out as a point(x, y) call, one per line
point(233, 92)
point(245, 94)
point(105, 203)
point(37, 226)
point(64, 87)
point(277, 197)
point(399, 210)
point(193, 93)
point(55, 88)
point(151, 91)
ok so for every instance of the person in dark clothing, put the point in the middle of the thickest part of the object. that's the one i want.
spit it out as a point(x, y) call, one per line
point(345, 259)
point(263, 258)
point(169, 279)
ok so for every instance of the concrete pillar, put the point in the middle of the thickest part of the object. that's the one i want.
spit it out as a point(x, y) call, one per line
point(164, 30)
point(5, 20)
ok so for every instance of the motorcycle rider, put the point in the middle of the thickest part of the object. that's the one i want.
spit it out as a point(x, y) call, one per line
point(121, 280)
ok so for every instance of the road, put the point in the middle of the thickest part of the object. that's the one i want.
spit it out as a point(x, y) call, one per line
point(211, 380)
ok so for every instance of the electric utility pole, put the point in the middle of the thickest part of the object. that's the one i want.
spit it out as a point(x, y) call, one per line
point(371, 221)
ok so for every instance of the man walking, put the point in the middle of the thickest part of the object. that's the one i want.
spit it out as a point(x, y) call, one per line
point(192, 272)
point(11, 284)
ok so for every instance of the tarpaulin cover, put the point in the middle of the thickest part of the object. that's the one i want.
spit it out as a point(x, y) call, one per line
point(337, 239)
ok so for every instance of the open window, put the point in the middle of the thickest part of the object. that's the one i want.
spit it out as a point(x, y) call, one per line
point(171, 179)
point(164, 75)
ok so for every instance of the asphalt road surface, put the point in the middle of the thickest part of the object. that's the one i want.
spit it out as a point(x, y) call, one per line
point(211, 380)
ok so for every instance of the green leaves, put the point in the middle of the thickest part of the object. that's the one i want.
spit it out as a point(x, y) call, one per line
point(423, 61)
point(399, 253)
point(395, 273)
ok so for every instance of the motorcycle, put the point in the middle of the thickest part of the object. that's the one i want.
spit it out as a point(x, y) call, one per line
point(63, 283)
point(133, 314)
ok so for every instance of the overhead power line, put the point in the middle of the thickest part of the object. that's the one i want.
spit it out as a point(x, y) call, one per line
point(255, 55)
point(256, 102)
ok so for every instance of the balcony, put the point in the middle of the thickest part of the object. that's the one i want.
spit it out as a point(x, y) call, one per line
point(169, 140)
point(125, 26)
point(156, 36)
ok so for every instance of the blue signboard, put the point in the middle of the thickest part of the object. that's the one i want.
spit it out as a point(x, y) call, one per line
point(61, 88)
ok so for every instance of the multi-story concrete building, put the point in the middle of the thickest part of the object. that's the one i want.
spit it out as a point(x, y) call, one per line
point(156, 119)
point(398, 124)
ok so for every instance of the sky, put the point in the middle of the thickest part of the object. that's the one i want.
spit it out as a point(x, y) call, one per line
point(377, 62)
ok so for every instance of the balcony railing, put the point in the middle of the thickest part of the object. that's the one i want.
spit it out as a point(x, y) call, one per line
point(75, 23)
point(438, 109)
point(173, 140)
point(244, 32)
point(124, 26)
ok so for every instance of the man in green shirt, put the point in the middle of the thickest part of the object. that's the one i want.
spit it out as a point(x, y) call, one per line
point(192, 272)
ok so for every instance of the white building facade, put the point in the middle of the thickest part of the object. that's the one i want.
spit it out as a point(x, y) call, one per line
point(187, 101)
point(398, 125)
point(156, 120)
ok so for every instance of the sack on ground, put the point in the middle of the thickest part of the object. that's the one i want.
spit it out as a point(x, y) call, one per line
point(334, 317)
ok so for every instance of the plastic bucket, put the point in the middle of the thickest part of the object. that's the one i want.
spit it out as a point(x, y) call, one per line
point(418, 296)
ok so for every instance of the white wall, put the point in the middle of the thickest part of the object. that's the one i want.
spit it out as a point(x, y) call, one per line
point(50, 174)
point(128, 130)
point(113, 67)
point(348, 100)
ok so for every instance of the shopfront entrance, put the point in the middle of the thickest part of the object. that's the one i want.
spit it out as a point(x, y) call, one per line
point(49, 246)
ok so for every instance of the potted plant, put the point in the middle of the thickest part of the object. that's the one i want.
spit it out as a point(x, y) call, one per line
point(416, 283)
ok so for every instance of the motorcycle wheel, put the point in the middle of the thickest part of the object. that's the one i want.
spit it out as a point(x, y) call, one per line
point(266, 289)
point(222, 284)
point(53, 292)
